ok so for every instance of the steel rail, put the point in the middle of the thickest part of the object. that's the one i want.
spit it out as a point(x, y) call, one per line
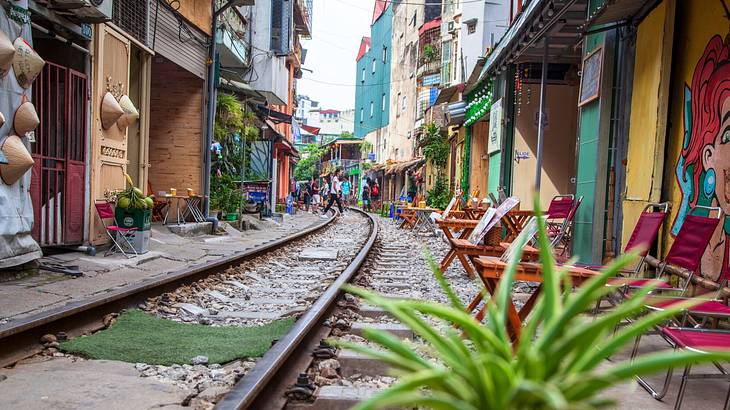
point(264, 385)
point(20, 338)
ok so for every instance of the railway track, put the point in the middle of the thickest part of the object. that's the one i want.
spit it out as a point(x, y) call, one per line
point(307, 374)
point(20, 338)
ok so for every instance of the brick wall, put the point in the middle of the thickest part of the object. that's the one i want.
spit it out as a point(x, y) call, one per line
point(176, 128)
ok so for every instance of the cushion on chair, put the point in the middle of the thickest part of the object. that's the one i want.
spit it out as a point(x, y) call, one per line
point(637, 283)
point(698, 339)
point(710, 307)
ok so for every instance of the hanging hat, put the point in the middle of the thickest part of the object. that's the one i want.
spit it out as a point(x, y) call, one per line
point(26, 62)
point(110, 111)
point(25, 119)
point(7, 54)
point(2, 119)
point(130, 113)
point(18, 160)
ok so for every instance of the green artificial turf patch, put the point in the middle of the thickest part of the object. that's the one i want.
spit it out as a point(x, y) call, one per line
point(138, 337)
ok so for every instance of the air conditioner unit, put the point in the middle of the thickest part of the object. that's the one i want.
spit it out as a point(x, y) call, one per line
point(451, 27)
point(94, 11)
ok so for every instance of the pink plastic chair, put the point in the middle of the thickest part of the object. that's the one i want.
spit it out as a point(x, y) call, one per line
point(106, 211)
point(697, 340)
point(561, 232)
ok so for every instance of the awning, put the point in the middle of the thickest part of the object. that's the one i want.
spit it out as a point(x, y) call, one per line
point(282, 142)
point(404, 166)
point(431, 24)
point(473, 79)
point(447, 93)
point(560, 20)
point(273, 115)
point(310, 129)
point(621, 11)
point(240, 88)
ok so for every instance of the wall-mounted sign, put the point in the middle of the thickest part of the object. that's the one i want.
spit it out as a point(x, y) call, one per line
point(545, 119)
point(590, 83)
point(495, 127)
point(521, 156)
point(371, 156)
point(433, 79)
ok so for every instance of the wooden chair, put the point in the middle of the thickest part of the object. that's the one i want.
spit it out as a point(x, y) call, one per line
point(158, 207)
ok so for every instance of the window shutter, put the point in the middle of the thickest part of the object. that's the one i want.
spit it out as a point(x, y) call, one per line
point(281, 26)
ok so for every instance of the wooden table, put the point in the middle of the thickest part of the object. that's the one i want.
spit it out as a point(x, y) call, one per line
point(515, 222)
point(191, 208)
point(491, 271)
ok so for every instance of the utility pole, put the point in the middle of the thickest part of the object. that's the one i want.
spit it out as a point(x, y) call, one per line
point(212, 95)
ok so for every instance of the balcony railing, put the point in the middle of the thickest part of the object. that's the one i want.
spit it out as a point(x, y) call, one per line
point(344, 164)
point(427, 68)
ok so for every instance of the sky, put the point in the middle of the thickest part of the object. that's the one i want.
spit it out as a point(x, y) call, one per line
point(337, 29)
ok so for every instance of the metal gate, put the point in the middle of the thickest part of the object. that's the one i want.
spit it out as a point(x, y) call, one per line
point(57, 188)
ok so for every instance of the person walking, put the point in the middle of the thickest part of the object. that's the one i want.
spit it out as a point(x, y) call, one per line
point(307, 192)
point(335, 190)
point(366, 195)
point(346, 192)
point(315, 195)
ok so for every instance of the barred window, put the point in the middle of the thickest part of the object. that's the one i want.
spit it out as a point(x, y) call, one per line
point(132, 17)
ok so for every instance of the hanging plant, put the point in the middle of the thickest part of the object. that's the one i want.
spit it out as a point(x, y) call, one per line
point(435, 146)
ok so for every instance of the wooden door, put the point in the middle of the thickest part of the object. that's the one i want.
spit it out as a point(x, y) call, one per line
point(109, 147)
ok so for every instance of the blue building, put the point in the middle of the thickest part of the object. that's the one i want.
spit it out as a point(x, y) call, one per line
point(372, 91)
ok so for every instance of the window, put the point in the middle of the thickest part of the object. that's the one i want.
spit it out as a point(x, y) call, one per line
point(471, 26)
point(362, 115)
point(397, 112)
point(413, 20)
point(405, 103)
point(372, 107)
point(374, 65)
point(383, 102)
point(385, 54)
point(362, 79)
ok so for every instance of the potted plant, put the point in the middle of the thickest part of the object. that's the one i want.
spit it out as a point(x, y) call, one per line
point(558, 362)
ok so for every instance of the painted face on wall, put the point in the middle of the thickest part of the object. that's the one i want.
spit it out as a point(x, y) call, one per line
point(716, 161)
point(703, 168)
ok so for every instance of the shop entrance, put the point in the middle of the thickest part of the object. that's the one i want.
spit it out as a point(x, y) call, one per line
point(57, 187)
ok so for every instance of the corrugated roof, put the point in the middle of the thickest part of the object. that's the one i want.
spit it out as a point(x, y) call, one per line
point(364, 47)
point(380, 7)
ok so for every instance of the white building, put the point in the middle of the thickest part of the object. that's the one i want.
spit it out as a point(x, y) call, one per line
point(483, 24)
point(332, 123)
point(305, 106)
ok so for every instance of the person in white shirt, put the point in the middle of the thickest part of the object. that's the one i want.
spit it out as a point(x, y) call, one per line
point(334, 193)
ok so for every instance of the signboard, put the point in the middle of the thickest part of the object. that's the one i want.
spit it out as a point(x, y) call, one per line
point(494, 143)
point(590, 83)
point(371, 156)
point(296, 131)
point(433, 79)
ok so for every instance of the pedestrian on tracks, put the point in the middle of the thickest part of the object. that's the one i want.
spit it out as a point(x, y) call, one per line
point(335, 190)
point(346, 192)
point(315, 195)
point(366, 195)
point(307, 193)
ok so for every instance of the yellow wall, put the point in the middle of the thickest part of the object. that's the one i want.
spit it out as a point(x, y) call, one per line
point(699, 24)
point(645, 157)
point(559, 149)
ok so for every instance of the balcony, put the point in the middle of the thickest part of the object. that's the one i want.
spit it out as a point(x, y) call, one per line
point(428, 68)
point(344, 164)
point(233, 52)
point(303, 17)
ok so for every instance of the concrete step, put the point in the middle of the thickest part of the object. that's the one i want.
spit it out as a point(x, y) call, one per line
point(352, 363)
point(336, 398)
point(396, 330)
point(372, 312)
point(389, 285)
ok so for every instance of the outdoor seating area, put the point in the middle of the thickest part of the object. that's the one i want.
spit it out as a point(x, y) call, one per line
point(485, 246)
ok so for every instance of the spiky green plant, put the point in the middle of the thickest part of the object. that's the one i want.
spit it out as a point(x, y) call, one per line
point(554, 365)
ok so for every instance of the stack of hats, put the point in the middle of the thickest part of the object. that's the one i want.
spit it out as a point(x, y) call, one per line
point(15, 160)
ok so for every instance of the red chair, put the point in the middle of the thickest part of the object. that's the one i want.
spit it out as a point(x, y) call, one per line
point(561, 232)
point(701, 340)
point(106, 211)
point(686, 251)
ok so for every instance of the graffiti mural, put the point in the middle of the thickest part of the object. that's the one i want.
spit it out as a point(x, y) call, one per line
point(703, 168)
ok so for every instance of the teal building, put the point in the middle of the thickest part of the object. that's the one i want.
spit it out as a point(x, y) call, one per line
point(372, 89)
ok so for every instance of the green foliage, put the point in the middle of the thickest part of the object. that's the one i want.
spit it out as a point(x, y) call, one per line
point(234, 126)
point(365, 148)
point(346, 134)
point(439, 196)
point(225, 194)
point(435, 145)
point(465, 165)
point(366, 166)
point(429, 52)
point(137, 337)
point(559, 362)
point(306, 168)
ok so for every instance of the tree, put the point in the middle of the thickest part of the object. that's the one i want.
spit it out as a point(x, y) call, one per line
point(306, 168)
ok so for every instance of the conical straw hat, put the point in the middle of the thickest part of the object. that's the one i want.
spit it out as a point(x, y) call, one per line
point(7, 54)
point(130, 113)
point(26, 63)
point(18, 158)
point(26, 118)
point(110, 111)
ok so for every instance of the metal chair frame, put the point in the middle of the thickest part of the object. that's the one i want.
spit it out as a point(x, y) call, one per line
point(124, 233)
